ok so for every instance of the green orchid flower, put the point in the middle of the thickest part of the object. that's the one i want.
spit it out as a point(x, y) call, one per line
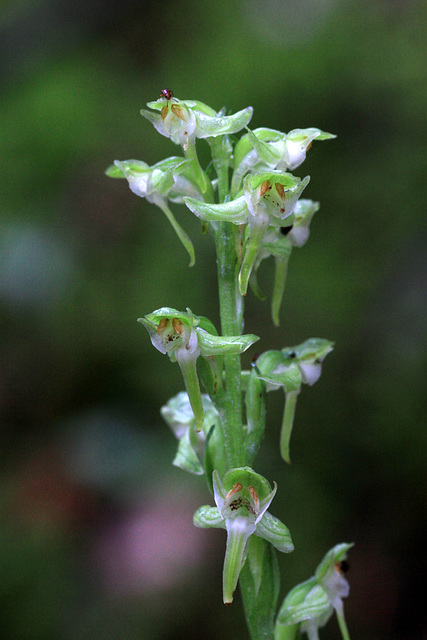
point(184, 337)
point(268, 148)
point(179, 416)
point(278, 242)
point(242, 498)
point(310, 605)
point(269, 198)
point(185, 120)
point(168, 179)
point(289, 369)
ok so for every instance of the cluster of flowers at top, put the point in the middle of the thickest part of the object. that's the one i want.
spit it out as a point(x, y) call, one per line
point(263, 199)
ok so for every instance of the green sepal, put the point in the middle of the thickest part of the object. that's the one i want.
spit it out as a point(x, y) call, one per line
point(289, 377)
point(275, 532)
point(297, 135)
point(260, 586)
point(192, 447)
point(310, 604)
point(294, 598)
point(247, 477)
point(287, 180)
point(186, 457)
point(219, 125)
point(158, 105)
point(212, 345)
point(113, 171)
point(207, 517)
point(169, 312)
point(281, 248)
point(312, 349)
point(336, 554)
point(207, 325)
point(315, 604)
point(247, 142)
point(264, 152)
point(235, 211)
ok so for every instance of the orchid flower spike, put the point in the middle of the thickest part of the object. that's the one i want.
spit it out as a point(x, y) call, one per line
point(269, 198)
point(184, 337)
point(310, 605)
point(267, 148)
point(289, 369)
point(169, 179)
point(242, 498)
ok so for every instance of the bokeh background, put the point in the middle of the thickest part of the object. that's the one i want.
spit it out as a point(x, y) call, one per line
point(96, 539)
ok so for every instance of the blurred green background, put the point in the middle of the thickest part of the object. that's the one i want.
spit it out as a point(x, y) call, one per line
point(96, 539)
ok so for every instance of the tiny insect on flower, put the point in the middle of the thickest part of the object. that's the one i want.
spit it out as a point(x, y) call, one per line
point(166, 93)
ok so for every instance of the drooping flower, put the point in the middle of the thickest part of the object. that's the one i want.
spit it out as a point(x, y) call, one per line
point(278, 242)
point(309, 605)
point(289, 369)
point(179, 416)
point(169, 179)
point(242, 498)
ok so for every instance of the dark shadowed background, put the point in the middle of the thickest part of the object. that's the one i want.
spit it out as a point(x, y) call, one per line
point(96, 540)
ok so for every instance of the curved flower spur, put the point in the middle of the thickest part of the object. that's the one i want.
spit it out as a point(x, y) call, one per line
point(288, 369)
point(279, 242)
point(170, 179)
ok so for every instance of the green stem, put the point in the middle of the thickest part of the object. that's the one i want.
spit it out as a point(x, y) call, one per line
point(260, 588)
point(230, 402)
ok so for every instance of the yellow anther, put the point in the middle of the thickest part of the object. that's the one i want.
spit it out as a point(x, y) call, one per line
point(254, 497)
point(266, 186)
point(236, 488)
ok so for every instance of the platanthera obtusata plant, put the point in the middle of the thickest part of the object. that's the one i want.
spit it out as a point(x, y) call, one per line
point(251, 205)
